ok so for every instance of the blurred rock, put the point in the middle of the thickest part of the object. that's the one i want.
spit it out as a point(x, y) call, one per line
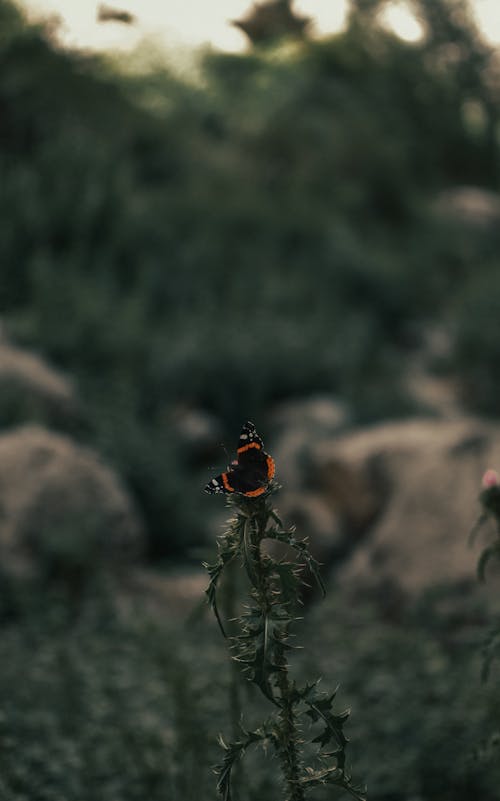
point(407, 496)
point(30, 389)
point(313, 519)
point(180, 591)
point(389, 507)
point(62, 510)
point(299, 426)
point(435, 392)
point(319, 412)
point(469, 205)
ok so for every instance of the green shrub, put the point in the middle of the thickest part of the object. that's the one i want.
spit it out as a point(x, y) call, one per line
point(124, 704)
point(421, 716)
point(476, 351)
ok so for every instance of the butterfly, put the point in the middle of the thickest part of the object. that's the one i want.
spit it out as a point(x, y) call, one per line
point(251, 472)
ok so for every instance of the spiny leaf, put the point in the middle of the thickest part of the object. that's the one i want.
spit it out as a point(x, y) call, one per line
point(256, 668)
point(274, 515)
point(324, 701)
point(302, 549)
point(332, 775)
point(289, 579)
point(320, 708)
point(248, 552)
point(324, 737)
point(214, 572)
point(314, 778)
point(233, 752)
point(228, 548)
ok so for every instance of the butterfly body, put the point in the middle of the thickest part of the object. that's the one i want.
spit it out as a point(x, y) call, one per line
point(251, 472)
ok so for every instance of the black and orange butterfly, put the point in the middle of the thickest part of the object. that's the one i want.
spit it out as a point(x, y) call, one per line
point(251, 472)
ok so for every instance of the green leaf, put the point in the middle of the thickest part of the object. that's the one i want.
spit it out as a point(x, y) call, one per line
point(228, 547)
point(233, 752)
point(214, 572)
point(224, 770)
point(289, 579)
point(248, 552)
point(274, 515)
point(302, 549)
point(331, 775)
point(324, 737)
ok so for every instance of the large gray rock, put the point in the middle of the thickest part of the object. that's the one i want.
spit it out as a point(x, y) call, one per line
point(406, 494)
point(299, 426)
point(470, 206)
point(61, 507)
point(31, 389)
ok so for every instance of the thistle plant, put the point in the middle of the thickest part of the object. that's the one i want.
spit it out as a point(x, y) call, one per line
point(490, 503)
point(260, 643)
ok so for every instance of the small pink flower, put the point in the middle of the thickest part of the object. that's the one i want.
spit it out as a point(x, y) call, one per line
point(490, 479)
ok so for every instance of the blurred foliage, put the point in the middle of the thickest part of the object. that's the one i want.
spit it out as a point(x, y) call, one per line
point(421, 718)
point(477, 345)
point(122, 705)
point(419, 708)
point(264, 230)
point(104, 711)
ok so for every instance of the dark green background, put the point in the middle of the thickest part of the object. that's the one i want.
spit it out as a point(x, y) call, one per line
point(264, 232)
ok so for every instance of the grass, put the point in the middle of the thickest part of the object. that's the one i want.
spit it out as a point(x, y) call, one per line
point(120, 702)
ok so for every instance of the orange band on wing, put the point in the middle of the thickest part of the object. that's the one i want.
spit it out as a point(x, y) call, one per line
point(260, 490)
point(249, 445)
point(254, 493)
point(270, 475)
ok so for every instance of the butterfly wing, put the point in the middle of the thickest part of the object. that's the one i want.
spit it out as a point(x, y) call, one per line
point(249, 440)
point(253, 471)
point(255, 467)
point(218, 484)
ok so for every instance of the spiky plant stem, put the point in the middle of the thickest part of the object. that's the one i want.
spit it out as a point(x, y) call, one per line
point(289, 754)
point(287, 733)
point(260, 648)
